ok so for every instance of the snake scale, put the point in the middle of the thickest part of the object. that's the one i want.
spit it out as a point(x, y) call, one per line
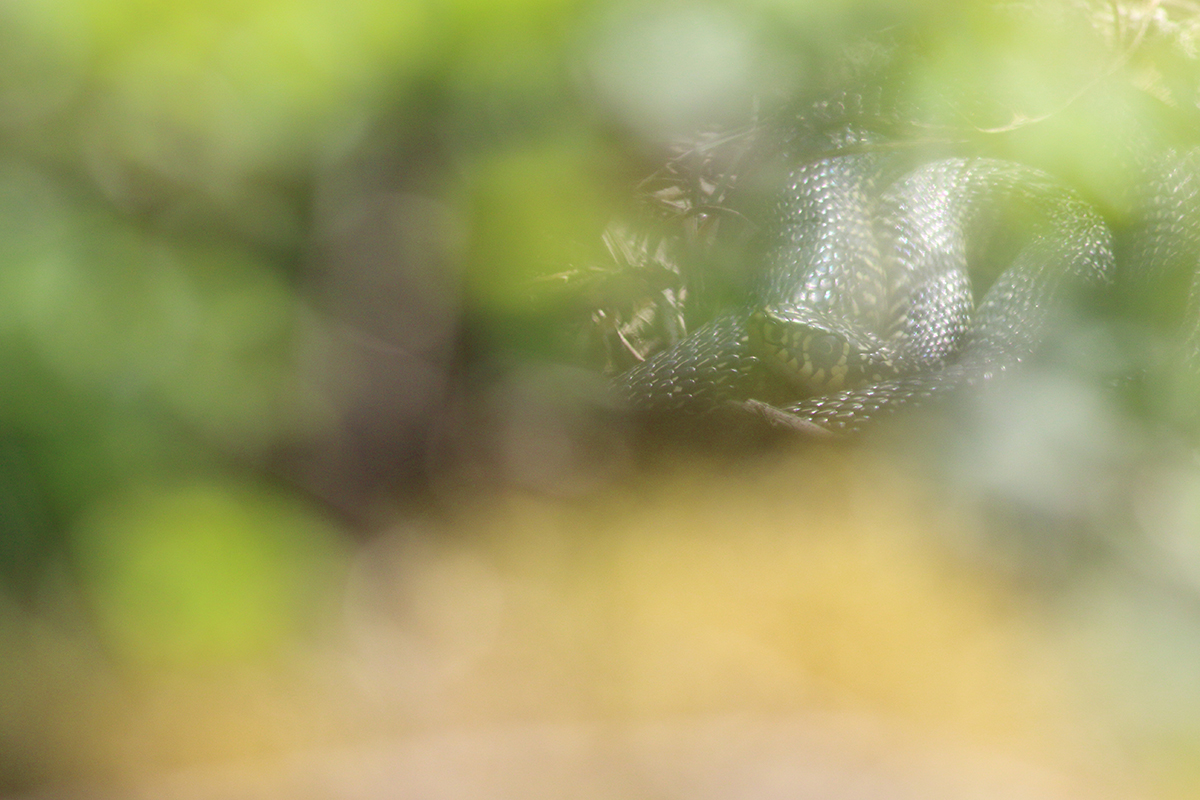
point(887, 282)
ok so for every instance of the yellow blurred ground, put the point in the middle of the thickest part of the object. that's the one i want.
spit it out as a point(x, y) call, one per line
point(789, 628)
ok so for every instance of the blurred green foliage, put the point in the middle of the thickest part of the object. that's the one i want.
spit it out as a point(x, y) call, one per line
point(171, 176)
point(156, 161)
point(249, 249)
point(205, 573)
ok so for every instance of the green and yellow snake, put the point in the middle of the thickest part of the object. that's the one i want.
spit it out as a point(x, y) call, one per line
point(887, 282)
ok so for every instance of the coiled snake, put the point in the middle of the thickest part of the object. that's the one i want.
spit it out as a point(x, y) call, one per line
point(864, 304)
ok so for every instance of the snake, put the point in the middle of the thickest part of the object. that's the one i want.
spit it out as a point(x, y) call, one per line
point(888, 282)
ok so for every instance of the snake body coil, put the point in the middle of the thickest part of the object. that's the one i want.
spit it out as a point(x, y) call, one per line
point(865, 301)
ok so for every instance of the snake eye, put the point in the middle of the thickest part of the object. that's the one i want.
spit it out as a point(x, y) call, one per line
point(823, 346)
point(772, 331)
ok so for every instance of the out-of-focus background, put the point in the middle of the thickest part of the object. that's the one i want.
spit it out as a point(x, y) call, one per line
point(308, 482)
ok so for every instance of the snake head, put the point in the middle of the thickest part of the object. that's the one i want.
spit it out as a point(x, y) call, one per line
point(815, 354)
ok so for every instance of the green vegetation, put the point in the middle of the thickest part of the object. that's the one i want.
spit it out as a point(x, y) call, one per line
point(280, 279)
